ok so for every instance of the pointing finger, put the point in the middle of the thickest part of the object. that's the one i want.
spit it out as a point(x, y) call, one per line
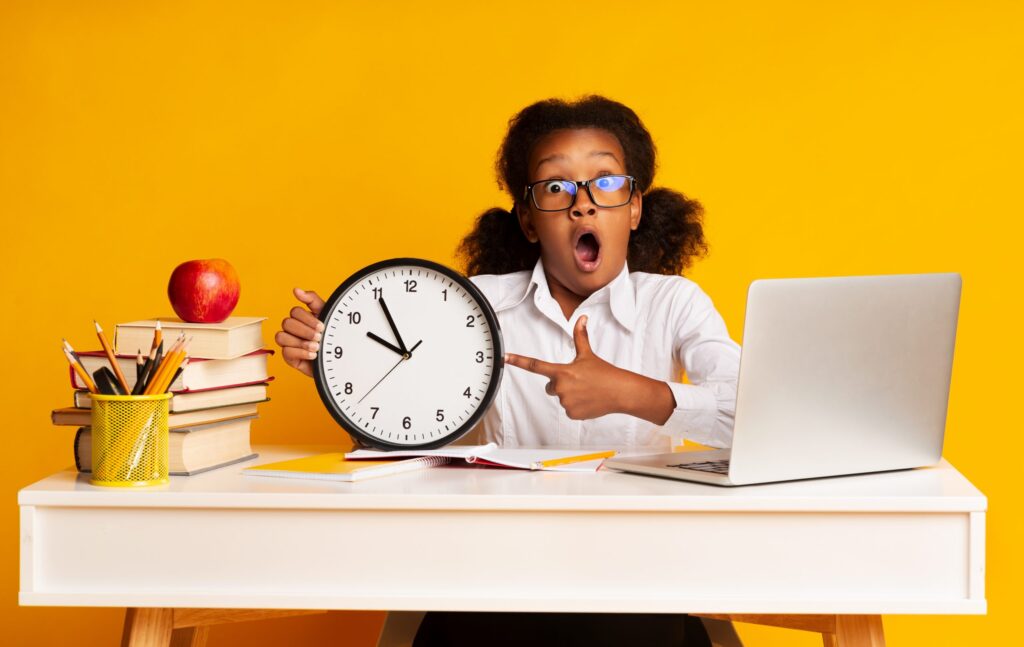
point(581, 337)
point(532, 365)
point(311, 299)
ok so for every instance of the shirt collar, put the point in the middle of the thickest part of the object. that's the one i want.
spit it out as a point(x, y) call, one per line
point(618, 294)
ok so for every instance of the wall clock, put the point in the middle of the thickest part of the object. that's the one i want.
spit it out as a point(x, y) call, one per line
point(411, 355)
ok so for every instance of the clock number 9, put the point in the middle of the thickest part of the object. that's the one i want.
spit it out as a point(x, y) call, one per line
point(338, 352)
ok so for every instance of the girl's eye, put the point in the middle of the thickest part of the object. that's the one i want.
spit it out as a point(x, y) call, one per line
point(556, 187)
point(610, 182)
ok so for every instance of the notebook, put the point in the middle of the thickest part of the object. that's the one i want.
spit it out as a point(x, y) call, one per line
point(491, 454)
point(334, 467)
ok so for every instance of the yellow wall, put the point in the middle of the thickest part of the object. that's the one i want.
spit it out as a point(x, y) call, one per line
point(303, 140)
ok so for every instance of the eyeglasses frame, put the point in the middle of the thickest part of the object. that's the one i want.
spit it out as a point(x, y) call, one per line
point(585, 185)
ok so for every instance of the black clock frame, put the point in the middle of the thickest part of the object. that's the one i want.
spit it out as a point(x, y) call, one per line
point(357, 434)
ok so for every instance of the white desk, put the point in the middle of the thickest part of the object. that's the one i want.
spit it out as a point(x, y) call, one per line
point(910, 542)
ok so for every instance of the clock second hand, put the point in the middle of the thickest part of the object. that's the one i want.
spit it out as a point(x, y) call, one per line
point(404, 357)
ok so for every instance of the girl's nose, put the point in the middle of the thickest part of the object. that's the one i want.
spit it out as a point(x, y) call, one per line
point(583, 206)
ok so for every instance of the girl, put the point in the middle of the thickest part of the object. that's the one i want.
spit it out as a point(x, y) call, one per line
point(584, 275)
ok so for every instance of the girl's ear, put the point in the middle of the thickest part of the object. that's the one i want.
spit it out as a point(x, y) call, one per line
point(636, 207)
point(526, 222)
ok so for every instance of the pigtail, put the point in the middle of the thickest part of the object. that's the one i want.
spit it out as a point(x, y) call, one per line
point(670, 236)
point(497, 245)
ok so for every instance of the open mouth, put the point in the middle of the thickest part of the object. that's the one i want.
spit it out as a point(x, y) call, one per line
point(588, 251)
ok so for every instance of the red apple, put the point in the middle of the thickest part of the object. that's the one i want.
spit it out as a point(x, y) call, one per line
point(204, 291)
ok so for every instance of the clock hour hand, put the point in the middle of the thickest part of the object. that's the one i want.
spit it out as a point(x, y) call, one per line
point(385, 344)
point(394, 328)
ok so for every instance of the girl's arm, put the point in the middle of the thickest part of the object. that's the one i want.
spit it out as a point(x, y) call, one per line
point(590, 387)
point(702, 411)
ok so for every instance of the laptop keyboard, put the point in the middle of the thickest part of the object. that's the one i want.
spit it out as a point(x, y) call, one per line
point(716, 467)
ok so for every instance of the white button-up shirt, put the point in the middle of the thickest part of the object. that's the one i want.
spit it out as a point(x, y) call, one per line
point(655, 325)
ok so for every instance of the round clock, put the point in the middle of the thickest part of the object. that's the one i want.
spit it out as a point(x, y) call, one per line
point(411, 355)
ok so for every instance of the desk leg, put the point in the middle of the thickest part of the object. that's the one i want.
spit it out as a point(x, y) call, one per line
point(190, 637)
point(147, 628)
point(188, 627)
point(835, 630)
point(856, 631)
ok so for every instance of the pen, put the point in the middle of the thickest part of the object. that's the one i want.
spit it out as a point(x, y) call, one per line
point(552, 462)
point(110, 356)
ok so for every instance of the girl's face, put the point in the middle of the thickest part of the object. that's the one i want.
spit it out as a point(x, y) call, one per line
point(583, 247)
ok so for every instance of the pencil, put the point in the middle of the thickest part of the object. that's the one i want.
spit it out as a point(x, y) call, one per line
point(111, 357)
point(552, 462)
point(71, 350)
point(147, 369)
point(181, 368)
point(139, 363)
point(159, 358)
point(158, 336)
point(82, 373)
point(158, 372)
point(174, 362)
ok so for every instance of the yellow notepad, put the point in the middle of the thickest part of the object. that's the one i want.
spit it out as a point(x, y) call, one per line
point(334, 467)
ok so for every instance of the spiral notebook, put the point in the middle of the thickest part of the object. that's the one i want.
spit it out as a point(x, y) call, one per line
point(334, 467)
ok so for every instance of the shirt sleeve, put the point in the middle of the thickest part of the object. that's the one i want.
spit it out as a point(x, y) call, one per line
point(706, 407)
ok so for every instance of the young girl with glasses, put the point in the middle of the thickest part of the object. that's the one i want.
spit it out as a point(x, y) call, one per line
point(584, 275)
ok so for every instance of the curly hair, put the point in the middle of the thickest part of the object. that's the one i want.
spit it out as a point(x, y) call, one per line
point(670, 235)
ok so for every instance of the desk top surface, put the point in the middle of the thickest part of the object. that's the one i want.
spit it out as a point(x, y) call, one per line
point(933, 489)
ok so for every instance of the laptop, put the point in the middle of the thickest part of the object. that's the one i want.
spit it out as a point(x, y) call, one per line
point(845, 375)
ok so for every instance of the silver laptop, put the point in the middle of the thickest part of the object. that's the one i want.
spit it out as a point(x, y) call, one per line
point(843, 375)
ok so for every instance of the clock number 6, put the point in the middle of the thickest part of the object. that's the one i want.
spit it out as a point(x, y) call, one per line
point(406, 423)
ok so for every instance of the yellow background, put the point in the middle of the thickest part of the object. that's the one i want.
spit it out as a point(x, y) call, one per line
point(303, 140)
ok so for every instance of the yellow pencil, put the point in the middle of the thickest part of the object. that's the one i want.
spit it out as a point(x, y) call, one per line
point(552, 462)
point(111, 358)
point(172, 368)
point(159, 371)
point(158, 336)
point(82, 373)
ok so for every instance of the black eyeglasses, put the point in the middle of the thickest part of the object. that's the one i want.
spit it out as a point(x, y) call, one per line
point(606, 191)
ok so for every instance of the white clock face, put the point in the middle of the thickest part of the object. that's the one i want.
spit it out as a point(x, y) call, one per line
point(421, 377)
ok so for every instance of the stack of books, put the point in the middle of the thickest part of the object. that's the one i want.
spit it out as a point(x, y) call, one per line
point(215, 398)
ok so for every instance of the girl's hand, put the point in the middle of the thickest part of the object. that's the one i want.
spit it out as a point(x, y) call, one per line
point(300, 334)
point(590, 387)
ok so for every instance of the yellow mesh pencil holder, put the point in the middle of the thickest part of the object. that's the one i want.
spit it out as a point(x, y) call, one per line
point(129, 439)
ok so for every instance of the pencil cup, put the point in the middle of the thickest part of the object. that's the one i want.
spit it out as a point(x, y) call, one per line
point(129, 439)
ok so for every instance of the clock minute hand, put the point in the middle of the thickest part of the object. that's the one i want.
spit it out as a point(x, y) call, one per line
point(394, 328)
